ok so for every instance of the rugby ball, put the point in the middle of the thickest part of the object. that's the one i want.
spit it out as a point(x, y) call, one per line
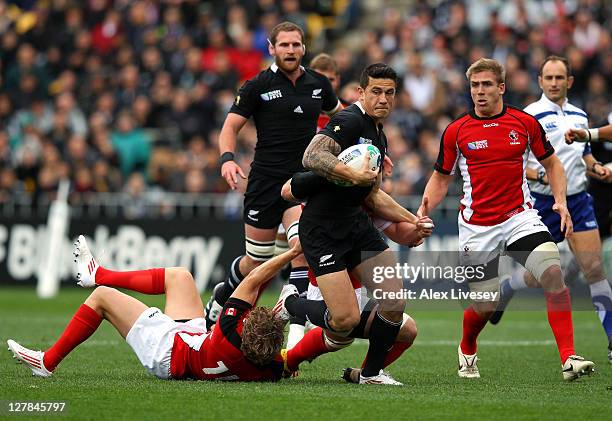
point(355, 155)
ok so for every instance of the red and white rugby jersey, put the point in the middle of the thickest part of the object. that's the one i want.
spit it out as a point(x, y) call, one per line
point(216, 355)
point(491, 154)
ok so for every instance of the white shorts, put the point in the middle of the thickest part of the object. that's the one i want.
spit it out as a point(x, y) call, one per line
point(152, 338)
point(480, 244)
point(314, 293)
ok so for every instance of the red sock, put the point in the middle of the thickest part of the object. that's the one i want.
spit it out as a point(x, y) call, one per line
point(559, 307)
point(83, 324)
point(473, 323)
point(395, 352)
point(308, 348)
point(150, 281)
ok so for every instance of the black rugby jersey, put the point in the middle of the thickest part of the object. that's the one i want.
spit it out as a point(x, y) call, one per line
point(349, 127)
point(285, 116)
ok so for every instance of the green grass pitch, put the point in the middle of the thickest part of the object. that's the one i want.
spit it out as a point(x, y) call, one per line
point(519, 364)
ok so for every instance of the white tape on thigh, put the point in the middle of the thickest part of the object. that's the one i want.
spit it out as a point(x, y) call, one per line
point(292, 231)
point(541, 258)
point(335, 344)
point(280, 246)
point(490, 285)
point(259, 250)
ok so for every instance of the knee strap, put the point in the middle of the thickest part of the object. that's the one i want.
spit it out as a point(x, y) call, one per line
point(336, 344)
point(259, 250)
point(293, 230)
point(543, 257)
point(280, 246)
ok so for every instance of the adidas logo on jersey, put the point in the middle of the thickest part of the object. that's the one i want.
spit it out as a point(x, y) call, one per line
point(268, 96)
point(298, 110)
point(316, 93)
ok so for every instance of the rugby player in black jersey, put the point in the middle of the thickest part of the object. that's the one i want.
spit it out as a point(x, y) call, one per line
point(337, 235)
point(285, 101)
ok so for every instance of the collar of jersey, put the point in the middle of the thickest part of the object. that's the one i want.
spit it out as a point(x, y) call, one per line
point(545, 100)
point(360, 105)
point(493, 117)
point(379, 126)
point(274, 67)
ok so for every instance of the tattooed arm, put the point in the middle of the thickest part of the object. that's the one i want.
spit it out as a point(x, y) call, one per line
point(321, 157)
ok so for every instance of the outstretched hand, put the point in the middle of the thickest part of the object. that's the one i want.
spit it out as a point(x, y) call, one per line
point(576, 135)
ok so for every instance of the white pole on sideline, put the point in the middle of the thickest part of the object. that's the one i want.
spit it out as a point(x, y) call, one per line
point(57, 227)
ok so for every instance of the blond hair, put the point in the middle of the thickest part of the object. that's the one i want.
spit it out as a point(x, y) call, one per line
point(324, 63)
point(262, 336)
point(487, 65)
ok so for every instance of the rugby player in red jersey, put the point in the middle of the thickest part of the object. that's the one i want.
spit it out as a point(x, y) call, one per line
point(490, 145)
point(244, 345)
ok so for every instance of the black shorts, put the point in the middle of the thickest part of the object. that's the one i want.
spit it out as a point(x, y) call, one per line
point(332, 245)
point(263, 204)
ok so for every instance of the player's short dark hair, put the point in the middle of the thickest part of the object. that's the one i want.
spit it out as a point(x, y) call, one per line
point(377, 71)
point(262, 336)
point(563, 60)
point(324, 62)
point(487, 65)
point(285, 27)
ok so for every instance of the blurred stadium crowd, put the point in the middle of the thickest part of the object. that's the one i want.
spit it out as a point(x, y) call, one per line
point(130, 95)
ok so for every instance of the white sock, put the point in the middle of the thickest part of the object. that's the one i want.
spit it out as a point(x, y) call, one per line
point(296, 333)
point(599, 289)
point(517, 280)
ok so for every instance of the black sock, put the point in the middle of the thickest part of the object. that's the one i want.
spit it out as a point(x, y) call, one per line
point(299, 278)
point(382, 337)
point(313, 310)
point(222, 292)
